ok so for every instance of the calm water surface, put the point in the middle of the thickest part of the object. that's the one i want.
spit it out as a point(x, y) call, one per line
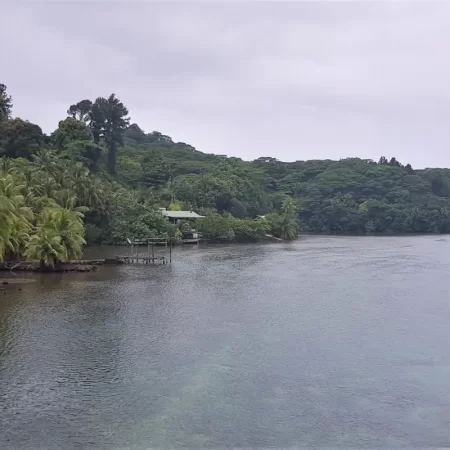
point(326, 342)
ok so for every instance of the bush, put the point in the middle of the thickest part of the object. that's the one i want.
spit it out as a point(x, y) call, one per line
point(246, 230)
point(219, 227)
point(136, 222)
point(216, 227)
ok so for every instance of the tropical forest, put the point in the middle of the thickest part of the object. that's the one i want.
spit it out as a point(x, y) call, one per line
point(100, 178)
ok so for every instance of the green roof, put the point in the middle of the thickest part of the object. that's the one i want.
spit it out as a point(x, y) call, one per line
point(181, 214)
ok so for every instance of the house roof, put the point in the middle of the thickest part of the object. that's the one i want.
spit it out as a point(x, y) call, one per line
point(181, 214)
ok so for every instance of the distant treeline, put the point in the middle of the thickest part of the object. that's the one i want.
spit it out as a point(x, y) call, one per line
point(99, 164)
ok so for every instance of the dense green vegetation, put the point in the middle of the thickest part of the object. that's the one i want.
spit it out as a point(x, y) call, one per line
point(100, 177)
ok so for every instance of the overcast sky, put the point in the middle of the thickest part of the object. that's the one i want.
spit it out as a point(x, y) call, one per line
point(291, 80)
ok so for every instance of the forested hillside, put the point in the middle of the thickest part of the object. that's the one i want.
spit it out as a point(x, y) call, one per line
point(116, 176)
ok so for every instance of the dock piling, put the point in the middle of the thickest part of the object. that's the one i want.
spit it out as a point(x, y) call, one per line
point(151, 258)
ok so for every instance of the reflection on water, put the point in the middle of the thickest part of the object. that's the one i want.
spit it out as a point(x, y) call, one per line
point(326, 342)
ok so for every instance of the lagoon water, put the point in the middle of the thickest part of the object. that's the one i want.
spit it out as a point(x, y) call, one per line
point(325, 342)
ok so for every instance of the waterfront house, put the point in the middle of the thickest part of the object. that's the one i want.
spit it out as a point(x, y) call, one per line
point(175, 216)
point(191, 236)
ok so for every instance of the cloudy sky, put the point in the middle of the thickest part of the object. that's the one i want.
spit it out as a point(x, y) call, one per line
point(292, 80)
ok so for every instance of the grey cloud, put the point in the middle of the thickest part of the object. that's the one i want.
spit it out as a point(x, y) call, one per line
point(292, 80)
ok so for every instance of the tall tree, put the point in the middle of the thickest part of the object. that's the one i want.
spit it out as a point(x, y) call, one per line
point(394, 162)
point(73, 139)
point(134, 132)
point(409, 169)
point(20, 138)
point(5, 104)
point(70, 130)
point(81, 110)
point(97, 120)
point(109, 120)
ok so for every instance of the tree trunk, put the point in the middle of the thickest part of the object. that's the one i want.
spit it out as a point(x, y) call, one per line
point(112, 157)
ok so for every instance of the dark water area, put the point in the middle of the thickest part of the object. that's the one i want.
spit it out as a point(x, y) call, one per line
point(325, 342)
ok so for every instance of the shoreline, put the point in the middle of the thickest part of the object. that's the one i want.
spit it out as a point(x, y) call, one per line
point(91, 265)
point(35, 267)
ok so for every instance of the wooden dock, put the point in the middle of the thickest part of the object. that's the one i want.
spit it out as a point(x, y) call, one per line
point(151, 258)
point(191, 241)
point(155, 260)
point(86, 265)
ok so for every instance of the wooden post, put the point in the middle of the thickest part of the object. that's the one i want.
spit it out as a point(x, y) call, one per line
point(153, 251)
point(170, 251)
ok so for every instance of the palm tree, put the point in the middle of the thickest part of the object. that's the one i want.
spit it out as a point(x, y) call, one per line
point(7, 216)
point(45, 246)
point(45, 161)
point(68, 225)
point(29, 190)
point(109, 197)
point(6, 165)
point(29, 176)
point(77, 179)
point(19, 235)
point(47, 188)
point(37, 203)
point(59, 237)
point(13, 211)
point(92, 194)
point(67, 199)
point(10, 189)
